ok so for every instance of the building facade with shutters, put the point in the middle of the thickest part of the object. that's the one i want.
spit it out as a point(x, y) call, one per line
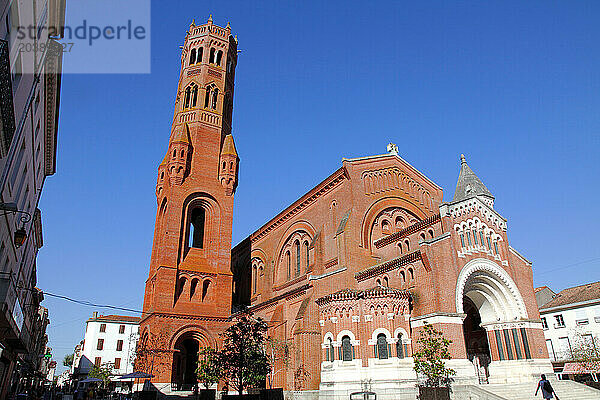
point(571, 323)
point(109, 341)
point(347, 275)
point(29, 106)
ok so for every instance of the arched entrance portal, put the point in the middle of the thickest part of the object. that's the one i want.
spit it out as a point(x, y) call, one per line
point(489, 297)
point(476, 342)
point(185, 359)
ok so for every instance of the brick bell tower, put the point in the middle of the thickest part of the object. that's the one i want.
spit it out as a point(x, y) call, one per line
point(188, 293)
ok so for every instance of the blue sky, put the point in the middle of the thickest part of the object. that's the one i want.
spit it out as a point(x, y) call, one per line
point(513, 85)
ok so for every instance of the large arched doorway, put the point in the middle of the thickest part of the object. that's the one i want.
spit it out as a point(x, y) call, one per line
point(476, 342)
point(185, 360)
point(488, 297)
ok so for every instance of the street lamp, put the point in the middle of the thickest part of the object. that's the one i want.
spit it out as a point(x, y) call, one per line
point(20, 235)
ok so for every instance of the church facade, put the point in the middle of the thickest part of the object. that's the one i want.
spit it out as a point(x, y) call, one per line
point(347, 275)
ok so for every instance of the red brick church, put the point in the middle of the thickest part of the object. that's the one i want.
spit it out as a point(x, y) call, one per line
point(348, 274)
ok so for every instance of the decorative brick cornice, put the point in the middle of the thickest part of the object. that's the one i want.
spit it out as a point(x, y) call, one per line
point(290, 283)
point(293, 292)
point(186, 317)
point(52, 103)
point(309, 198)
point(331, 263)
point(373, 293)
point(394, 237)
point(393, 264)
point(197, 273)
point(194, 317)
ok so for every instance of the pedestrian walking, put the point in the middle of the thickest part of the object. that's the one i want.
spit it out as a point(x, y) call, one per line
point(547, 389)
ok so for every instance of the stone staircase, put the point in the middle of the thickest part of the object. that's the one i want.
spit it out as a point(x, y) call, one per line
point(166, 393)
point(566, 390)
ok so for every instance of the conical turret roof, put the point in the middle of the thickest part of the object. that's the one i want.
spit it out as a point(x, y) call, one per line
point(182, 134)
point(229, 146)
point(469, 185)
point(165, 160)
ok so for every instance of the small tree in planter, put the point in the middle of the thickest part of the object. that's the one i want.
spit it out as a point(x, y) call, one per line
point(209, 371)
point(243, 357)
point(429, 362)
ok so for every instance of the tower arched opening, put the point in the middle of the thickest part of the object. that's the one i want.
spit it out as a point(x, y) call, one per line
point(185, 361)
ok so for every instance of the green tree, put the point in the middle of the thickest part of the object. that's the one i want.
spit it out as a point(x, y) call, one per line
point(278, 352)
point(103, 372)
point(429, 360)
point(585, 349)
point(243, 356)
point(210, 370)
point(68, 360)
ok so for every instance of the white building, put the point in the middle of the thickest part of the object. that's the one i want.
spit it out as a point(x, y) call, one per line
point(571, 322)
point(109, 340)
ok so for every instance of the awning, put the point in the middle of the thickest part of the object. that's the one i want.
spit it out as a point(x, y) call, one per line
point(581, 367)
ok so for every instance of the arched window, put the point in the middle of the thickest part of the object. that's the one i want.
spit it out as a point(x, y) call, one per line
point(422, 236)
point(475, 238)
point(199, 56)
point(188, 93)
point(219, 57)
point(469, 238)
point(378, 281)
point(330, 353)
point(207, 97)
point(346, 349)
point(411, 273)
point(193, 287)
point(407, 244)
point(496, 248)
point(399, 223)
point(489, 243)
point(162, 175)
point(212, 56)
point(399, 350)
point(205, 286)
point(182, 153)
point(431, 233)
point(400, 247)
point(194, 95)
point(385, 226)
point(386, 281)
point(196, 228)
point(180, 287)
point(306, 254)
point(297, 247)
point(288, 264)
point(193, 56)
point(402, 277)
point(382, 347)
point(462, 239)
point(254, 278)
point(215, 96)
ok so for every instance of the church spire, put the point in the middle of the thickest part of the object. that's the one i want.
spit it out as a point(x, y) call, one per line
point(469, 185)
